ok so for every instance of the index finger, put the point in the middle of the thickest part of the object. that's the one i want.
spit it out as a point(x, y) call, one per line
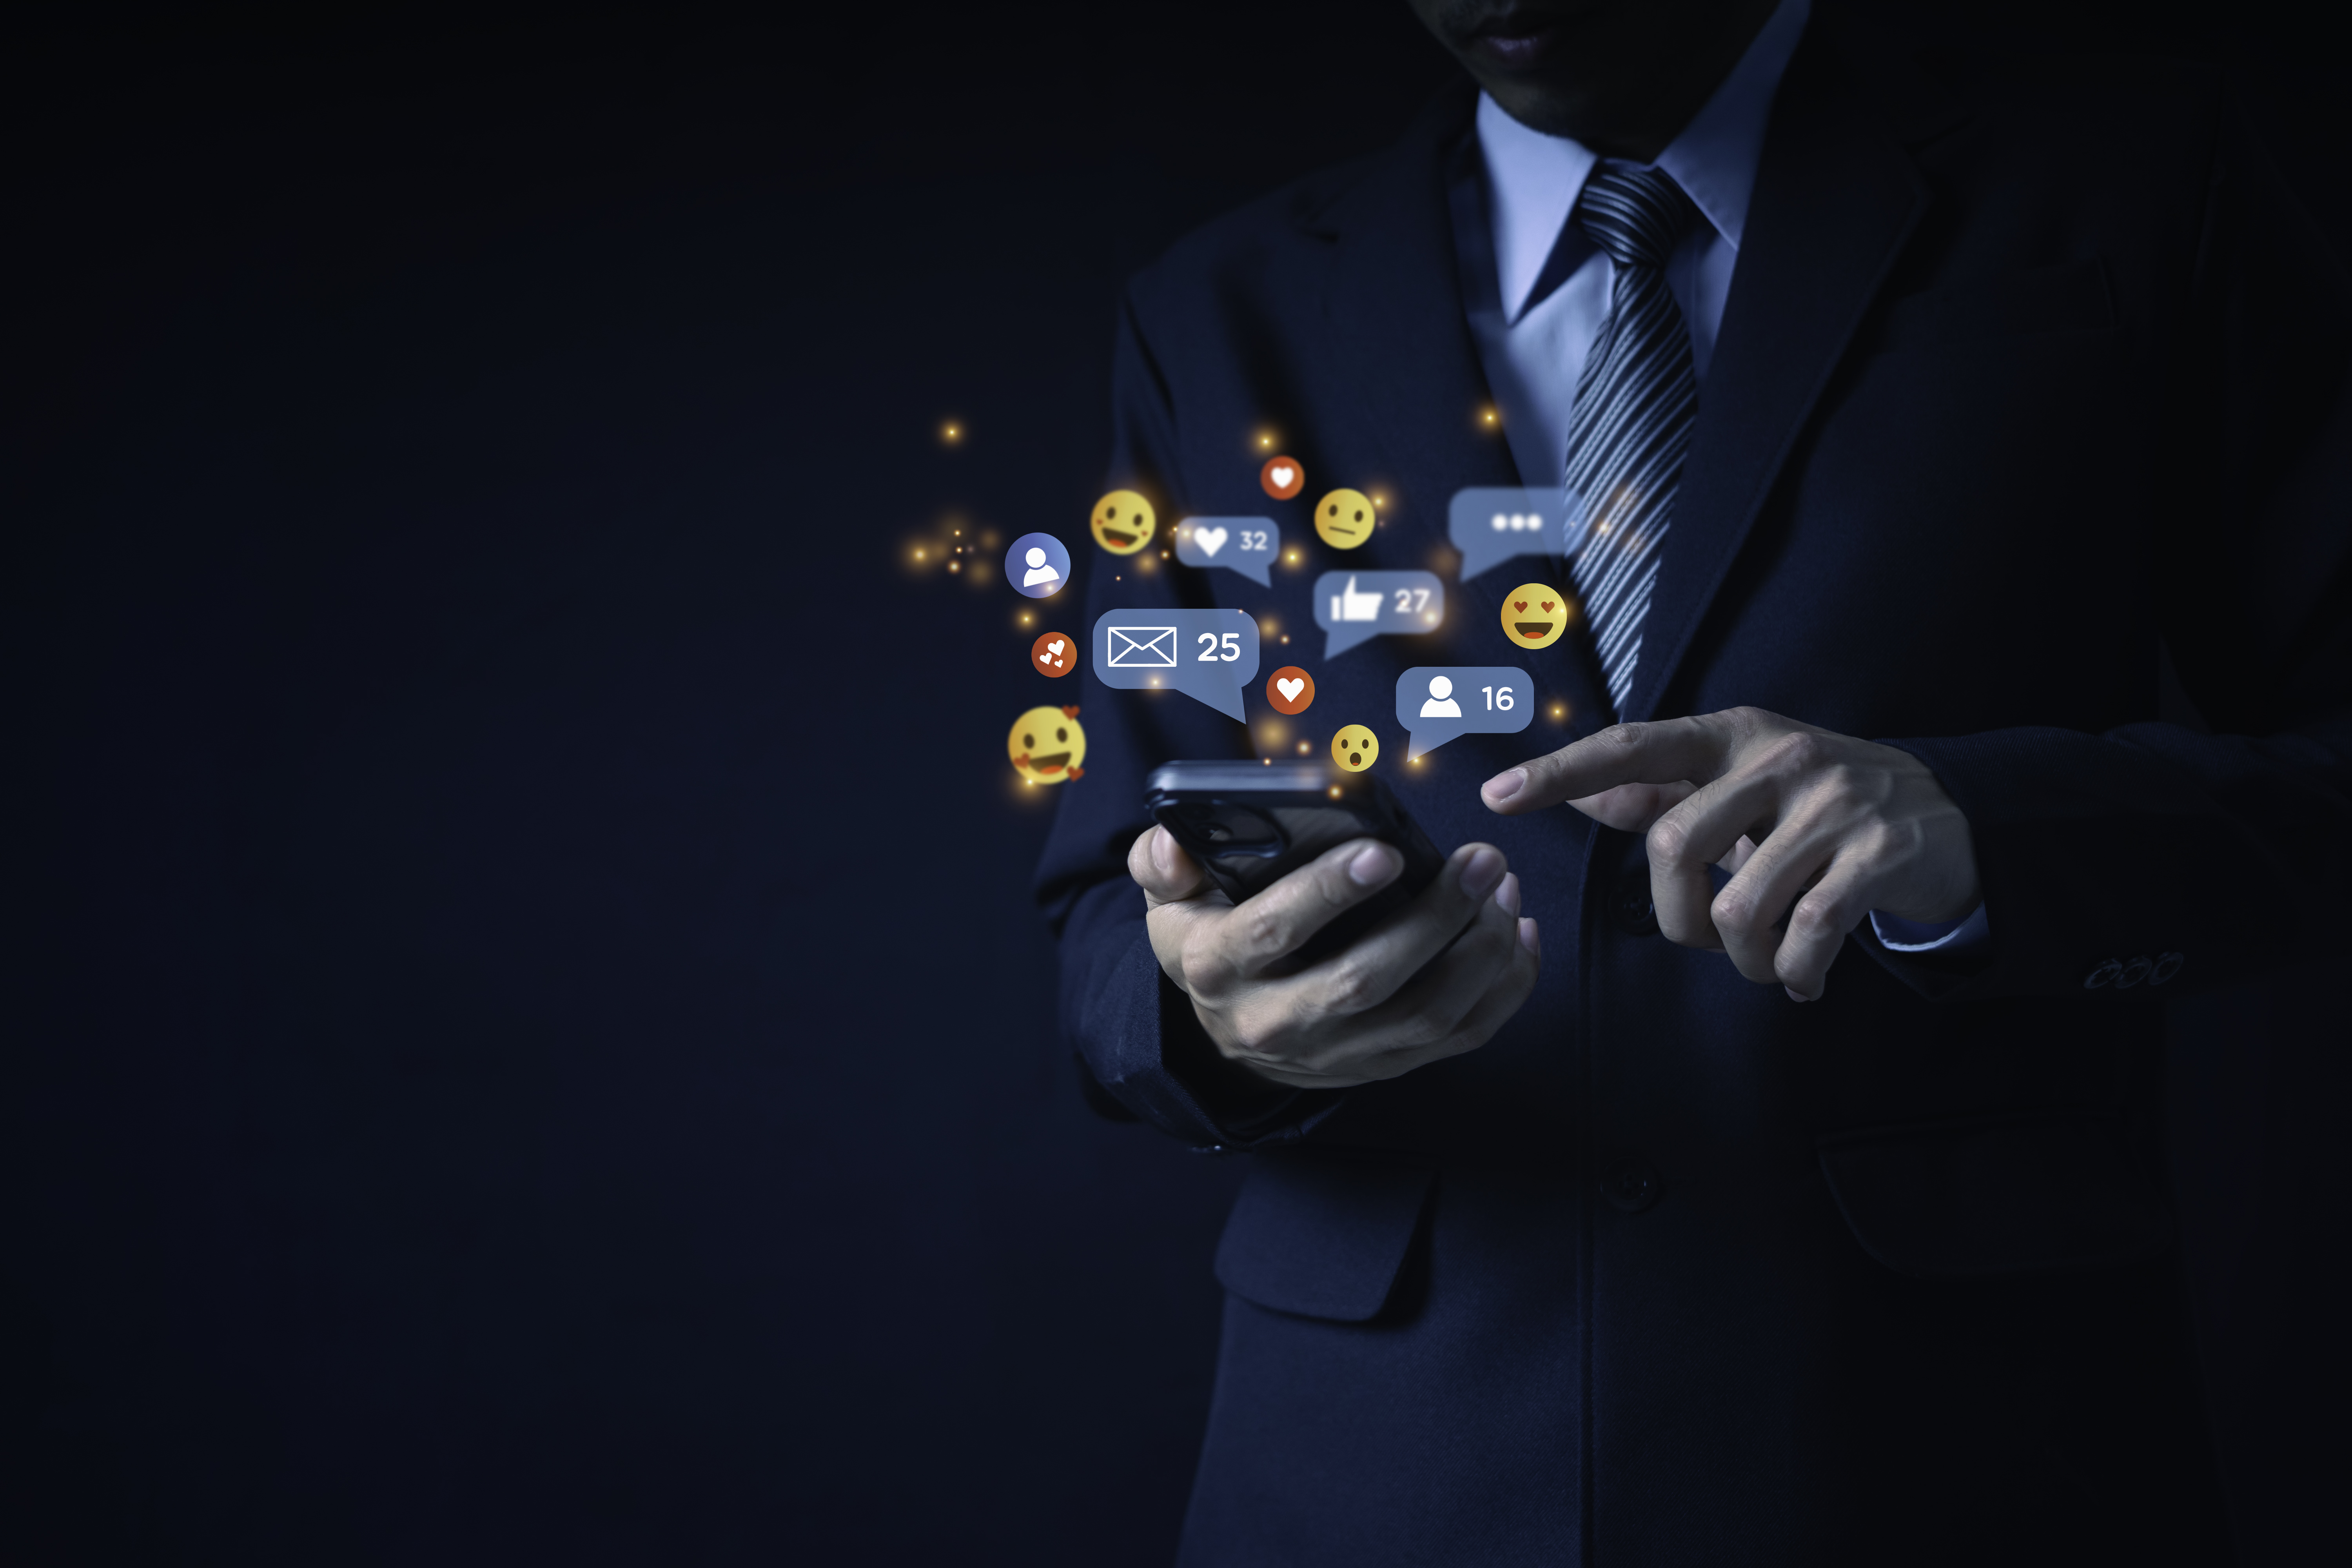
point(1665, 752)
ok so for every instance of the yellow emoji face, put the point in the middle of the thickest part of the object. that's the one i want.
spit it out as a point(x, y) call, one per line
point(1047, 745)
point(1355, 748)
point(1535, 615)
point(1344, 519)
point(1122, 523)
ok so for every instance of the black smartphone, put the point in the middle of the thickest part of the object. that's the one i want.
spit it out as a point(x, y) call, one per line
point(1251, 824)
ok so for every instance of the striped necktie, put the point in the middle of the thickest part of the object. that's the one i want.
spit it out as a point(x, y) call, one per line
point(1635, 403)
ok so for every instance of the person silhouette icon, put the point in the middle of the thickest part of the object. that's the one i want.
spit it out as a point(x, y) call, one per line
point(1037, 566)
point(1440, 703)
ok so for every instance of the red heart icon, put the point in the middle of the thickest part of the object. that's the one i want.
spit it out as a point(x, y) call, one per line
point(1546, 606)
point(1521, 606)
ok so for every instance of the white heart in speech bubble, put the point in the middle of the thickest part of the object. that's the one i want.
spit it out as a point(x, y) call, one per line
point(1210, 540)
point(1281, 477)
point(1290, 689)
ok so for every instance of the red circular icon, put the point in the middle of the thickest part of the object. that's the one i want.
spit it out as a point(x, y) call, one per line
point(1054, 654)
point(1281, 477)
point(1290, 689)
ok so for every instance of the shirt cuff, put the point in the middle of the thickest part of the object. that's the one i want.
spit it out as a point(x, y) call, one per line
point(1898, 935)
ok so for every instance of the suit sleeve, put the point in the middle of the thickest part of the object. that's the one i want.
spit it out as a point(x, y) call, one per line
point(1132, 1029)
point(2212, 856)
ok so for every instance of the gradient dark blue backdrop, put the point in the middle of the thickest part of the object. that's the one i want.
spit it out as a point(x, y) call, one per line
point(525, 1039)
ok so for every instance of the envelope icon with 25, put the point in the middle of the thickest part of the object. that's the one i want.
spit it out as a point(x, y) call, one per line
point(1141, 647)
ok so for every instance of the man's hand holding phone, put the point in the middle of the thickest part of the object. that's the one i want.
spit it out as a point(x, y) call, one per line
point(1434, 980)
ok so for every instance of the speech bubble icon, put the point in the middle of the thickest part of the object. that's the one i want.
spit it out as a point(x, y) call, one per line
point(1438, 702)
point(1248, 545)
point(1357, 606)
point(1490, 526)
point(1207, 655)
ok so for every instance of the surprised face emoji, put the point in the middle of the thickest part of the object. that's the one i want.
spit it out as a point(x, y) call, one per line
point(1534, 614)
point(1047, 745)
point(1122, 523)
point(1355, 748)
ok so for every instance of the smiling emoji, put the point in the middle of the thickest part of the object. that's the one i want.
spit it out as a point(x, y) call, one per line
point(1345, 518)
point(1534, 614)
point(1047, 745)
point(1122, 523)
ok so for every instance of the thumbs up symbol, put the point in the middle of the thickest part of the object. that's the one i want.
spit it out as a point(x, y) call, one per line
point(1349, 605)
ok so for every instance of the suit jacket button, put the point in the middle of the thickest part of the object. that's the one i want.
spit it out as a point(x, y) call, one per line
point(2166, 968)
point(1631, 1186)
point(1631, 906)
point(2102, 974)
point(2134, 972)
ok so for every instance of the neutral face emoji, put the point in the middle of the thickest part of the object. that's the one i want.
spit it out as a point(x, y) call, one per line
point(1535, 615)
point(1344, 519)
point(1122, 523)
point(1047, 745)
point(1355, 748)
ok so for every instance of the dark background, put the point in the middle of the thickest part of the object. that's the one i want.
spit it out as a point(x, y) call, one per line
point(524, 1036)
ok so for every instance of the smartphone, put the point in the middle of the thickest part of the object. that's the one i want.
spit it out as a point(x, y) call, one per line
point(1251, 824)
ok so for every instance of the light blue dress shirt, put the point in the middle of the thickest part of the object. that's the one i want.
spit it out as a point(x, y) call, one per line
point(1537, 289)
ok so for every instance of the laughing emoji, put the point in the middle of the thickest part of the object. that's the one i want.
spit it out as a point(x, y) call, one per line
point(1122, 523)
point(1047, 745)
point(1534, 614)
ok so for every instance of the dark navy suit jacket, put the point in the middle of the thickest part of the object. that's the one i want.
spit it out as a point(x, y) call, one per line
point(2022, 381)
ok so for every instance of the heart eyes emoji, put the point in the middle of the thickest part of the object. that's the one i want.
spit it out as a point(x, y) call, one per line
point(1535, 616)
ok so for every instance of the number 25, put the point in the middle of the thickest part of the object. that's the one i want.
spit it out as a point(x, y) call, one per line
point(1231, 651)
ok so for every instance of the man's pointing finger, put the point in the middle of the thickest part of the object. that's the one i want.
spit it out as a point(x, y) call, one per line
point(1667, 752)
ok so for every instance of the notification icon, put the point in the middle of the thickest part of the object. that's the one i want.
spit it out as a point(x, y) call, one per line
point(1054, 654)
point(1282, 478)
point(1291, 689)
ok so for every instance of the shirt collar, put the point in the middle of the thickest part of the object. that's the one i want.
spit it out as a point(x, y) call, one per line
point(1533, 180)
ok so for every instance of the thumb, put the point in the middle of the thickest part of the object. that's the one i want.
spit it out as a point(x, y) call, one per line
point(1161, 868)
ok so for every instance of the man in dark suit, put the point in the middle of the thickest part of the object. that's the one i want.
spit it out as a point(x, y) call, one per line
point(1756, 1162)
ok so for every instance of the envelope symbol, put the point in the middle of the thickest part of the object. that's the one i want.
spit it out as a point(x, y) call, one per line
point(1142, 647)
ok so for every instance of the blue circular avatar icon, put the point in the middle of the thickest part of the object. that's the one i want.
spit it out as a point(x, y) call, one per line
point(1037, 566)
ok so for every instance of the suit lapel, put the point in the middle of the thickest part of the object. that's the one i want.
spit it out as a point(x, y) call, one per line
point(1397, 317)
point(1394, 304)
point(1836, 199)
